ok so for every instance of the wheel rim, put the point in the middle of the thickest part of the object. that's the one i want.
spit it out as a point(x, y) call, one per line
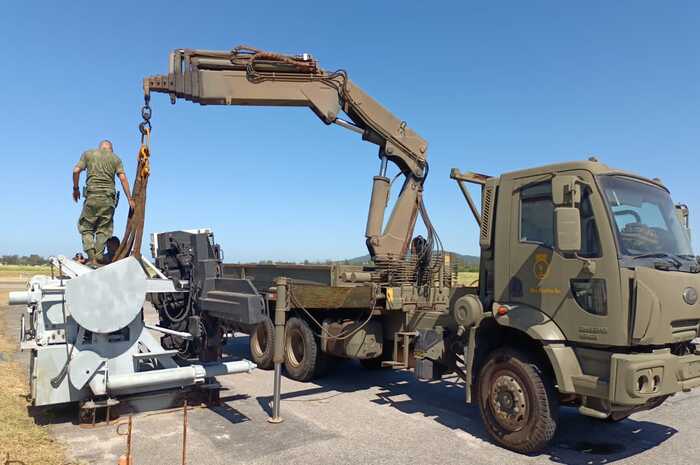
point(508, 401)
point(259, 341)
point(294, 347)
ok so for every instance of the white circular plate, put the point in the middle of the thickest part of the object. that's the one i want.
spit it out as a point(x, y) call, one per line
point(109, 298)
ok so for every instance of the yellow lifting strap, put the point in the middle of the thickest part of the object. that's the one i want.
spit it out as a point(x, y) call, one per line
point(144, 156)
point(133, 233)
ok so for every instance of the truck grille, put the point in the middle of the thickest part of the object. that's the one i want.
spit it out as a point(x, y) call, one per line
point(486, 216)
point(685, 328)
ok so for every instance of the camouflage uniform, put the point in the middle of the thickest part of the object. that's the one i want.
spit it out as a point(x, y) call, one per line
point(96, 220)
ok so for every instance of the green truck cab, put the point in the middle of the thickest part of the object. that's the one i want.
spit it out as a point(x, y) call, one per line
point(588, 294)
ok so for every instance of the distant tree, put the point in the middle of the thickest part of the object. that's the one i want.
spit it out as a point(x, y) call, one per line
point(10, 259)
point(33, 259)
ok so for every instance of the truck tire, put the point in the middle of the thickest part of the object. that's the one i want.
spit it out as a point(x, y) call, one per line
point(517, 401)
point(303, 359)
point(262, 344)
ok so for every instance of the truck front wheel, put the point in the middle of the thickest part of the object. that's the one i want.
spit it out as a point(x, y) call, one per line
point(517, 401)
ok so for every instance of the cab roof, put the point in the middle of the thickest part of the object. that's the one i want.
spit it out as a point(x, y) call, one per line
point(594, 167)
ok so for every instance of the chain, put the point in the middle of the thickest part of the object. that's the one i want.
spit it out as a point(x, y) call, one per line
point(145, 125)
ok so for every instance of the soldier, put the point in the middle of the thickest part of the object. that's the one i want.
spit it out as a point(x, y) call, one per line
point(96, 220)
point(112, 245)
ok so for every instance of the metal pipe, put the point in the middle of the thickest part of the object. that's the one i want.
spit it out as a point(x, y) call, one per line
point(169, 331)
point(348, 125)
point(173, 377)
point(19, 298)
point(70, 268)
point(383, 165)
point(184, 433)
point(278, 354)
point(377, 206)
point(470, 202)
point(228, 368)
point(276, 394)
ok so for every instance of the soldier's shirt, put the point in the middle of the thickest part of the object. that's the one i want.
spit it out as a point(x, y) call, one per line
point(102, 166)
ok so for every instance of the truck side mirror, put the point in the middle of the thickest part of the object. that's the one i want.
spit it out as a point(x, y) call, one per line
point(568, 229)
point(683, 214)
point(566, 195)
point(566, 190)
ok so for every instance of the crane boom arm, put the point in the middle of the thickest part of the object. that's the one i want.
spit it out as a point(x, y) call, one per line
point(247, 76)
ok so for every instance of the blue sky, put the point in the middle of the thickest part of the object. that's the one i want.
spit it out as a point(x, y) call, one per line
point(493, 87)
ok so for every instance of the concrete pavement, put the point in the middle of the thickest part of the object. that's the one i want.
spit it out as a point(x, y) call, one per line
point(368, 417)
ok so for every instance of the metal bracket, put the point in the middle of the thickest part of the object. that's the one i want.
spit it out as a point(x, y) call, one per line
point(474, 178)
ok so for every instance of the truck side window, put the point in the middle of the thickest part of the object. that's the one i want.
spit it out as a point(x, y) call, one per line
point(590, 244)
point(537, 214)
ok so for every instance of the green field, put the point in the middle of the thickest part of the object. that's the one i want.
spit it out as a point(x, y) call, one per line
point(22, 271)
point(468, 278)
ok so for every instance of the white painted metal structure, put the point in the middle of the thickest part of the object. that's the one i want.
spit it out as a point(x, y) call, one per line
point(87, 337)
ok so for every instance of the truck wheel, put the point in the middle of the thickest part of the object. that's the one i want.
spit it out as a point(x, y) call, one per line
point(517, 401)
point(262, 344)
point(303, 359)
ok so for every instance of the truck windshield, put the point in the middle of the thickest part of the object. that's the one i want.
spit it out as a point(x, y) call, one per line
point(644, 217)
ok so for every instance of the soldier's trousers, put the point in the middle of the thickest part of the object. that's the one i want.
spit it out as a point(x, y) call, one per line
point(96, 223)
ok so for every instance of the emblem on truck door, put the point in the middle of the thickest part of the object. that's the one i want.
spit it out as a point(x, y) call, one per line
point(541, 267)
point(690, 295)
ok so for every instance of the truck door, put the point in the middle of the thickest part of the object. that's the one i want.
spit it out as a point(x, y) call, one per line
point(584, 304)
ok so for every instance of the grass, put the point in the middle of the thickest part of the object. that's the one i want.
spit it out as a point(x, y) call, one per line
point(468, 278)
point(21, 438)
point(23, 271)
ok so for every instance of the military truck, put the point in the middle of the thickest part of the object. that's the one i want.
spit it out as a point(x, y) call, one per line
point(587, 297)
point(587, 291)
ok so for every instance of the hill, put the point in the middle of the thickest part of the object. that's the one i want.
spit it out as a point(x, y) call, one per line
point(463, 261)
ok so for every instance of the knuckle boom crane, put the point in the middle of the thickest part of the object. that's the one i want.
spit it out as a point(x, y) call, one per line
point(248, 76)
point(346, 303)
